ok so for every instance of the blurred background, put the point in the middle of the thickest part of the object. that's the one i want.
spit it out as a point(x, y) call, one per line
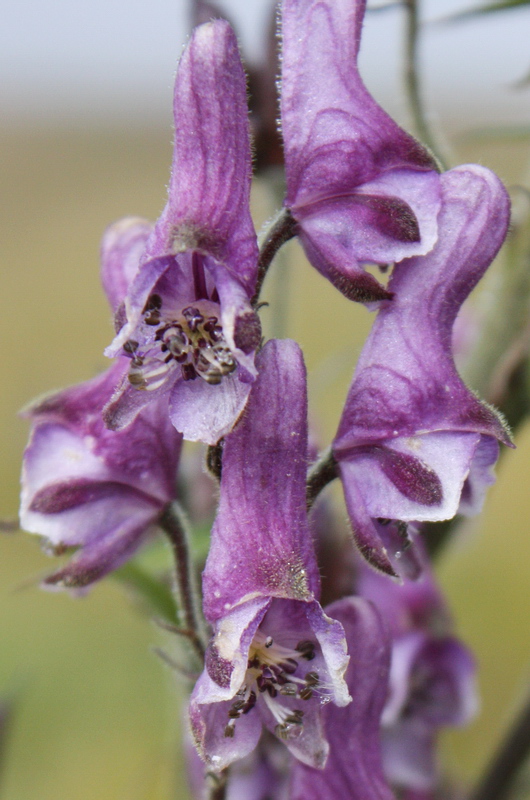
point(85, 135)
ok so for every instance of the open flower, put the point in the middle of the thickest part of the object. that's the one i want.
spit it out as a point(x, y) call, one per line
point(354, 769)
point(187, 325)
point(359, 187)
point(275, 658)
point(414, 443)
point(83, 485)
point(432, 676)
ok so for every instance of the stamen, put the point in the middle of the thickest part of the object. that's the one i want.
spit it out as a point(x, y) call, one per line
point(194, 340)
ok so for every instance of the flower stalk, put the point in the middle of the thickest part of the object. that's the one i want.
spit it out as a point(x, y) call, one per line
point(174, 526)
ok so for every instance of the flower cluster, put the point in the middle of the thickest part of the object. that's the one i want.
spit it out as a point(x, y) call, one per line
point(352, 694)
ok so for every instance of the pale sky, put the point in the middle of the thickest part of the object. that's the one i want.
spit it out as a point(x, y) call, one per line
point(105, 60)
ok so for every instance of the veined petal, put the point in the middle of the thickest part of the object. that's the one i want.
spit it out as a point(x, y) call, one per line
point(406, 381)
point(261, 532)
point(208, 204)
point(89, 487)
point(352, 174)
point(411, 432)
point(205, 413)
point(336, 136)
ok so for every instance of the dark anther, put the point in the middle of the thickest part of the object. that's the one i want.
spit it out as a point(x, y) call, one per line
point(289, 665)
point(253, 663)
point(229, 731)
point(306, 693)
point(137, 361)
point(289, 690)
point(130, 346)
point(135, 379)
point(251, 702)
point(154, 303)
point(312, 679)
point(306, 649)
point(295, 717)
point(188, 372)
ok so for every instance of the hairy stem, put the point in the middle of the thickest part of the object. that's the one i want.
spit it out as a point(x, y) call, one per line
point(320, 474)
point(281, 230)
point(496, 782)
point(412, 82)
point(173, 523)
point(218, 789)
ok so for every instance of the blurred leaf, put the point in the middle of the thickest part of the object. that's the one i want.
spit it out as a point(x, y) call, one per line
point(155, 595)
point(6, 718)
point(489, 8)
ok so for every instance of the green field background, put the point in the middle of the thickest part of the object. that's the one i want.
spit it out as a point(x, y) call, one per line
point(96, 714)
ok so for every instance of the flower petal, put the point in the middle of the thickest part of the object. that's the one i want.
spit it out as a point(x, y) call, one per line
point(208, 204)
point(336, 136)
point(122, 249)
point(261, 531)
point(353, 768)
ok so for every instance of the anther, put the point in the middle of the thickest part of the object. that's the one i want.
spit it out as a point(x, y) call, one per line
point(130, 346)
point(269, 641)
point(229, 730)
point(312, 679)
point(306, 649)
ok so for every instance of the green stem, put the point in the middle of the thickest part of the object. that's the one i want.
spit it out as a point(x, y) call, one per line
point(174, 525)
point(412, 81)
point(281, 230)
point(323, 472)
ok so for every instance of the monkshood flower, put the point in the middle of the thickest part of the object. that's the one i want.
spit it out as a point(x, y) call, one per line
point(359, 187)
point(414, 443)
point(275, 658)
point(432, 676)
point(87, 487)
point(187, 325)
point(354, 769)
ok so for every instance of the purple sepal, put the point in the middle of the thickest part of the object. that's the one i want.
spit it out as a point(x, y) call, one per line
point(187, 324)
point(122, 248)
point(261, 585)
point(261, 532)
point(353, 768)
point(86, 487)
point(432, 675)
point(360, 188)
point(411, 432)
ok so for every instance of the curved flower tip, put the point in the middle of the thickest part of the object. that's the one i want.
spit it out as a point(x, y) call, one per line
point(413, 440)
point(360, 188)
point(354, 767)
point(187, 324)
point(89, 488)
point(275, 658)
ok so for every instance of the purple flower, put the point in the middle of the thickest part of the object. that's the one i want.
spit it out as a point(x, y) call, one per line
point(359, 187)
point(432, 676)
point(87, 487)
point(275, 658)
point(414, 442)
point(354, 768)
point(187, 326)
